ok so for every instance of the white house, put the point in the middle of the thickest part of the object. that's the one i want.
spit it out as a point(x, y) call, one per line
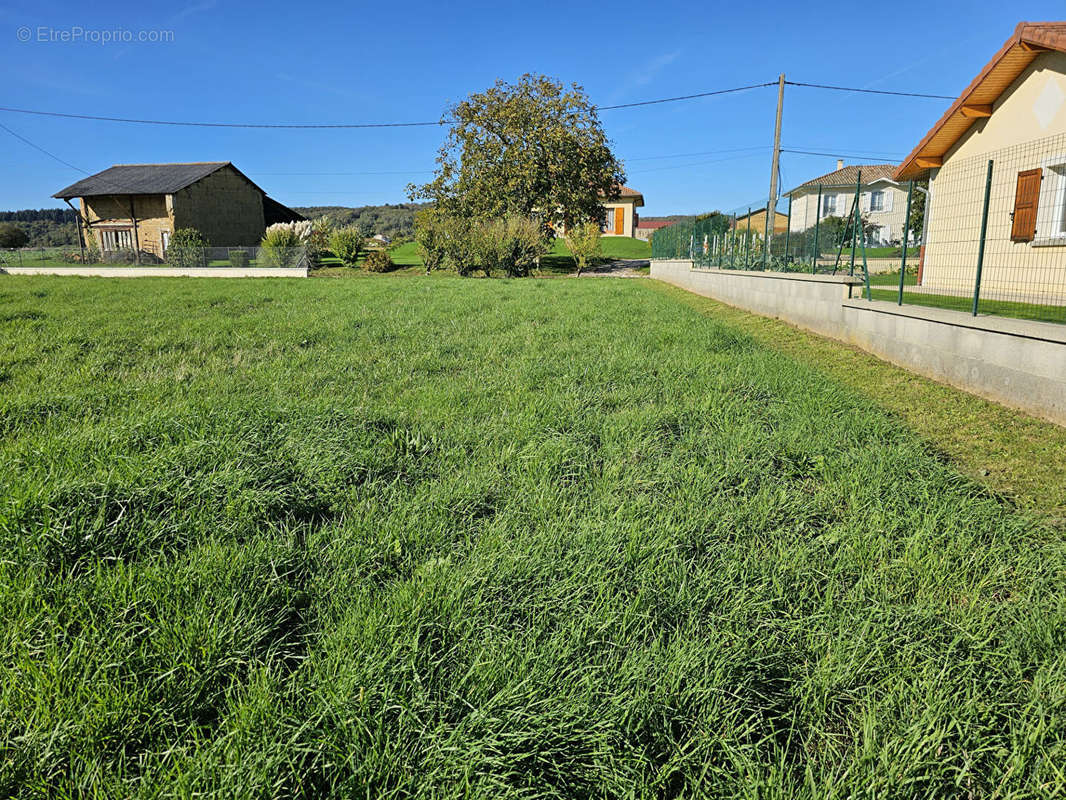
point(883, 201)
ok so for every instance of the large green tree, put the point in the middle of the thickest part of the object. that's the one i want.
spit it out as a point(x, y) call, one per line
point(531, 148)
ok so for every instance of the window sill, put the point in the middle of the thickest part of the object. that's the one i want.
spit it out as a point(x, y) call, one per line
point(1049, 241)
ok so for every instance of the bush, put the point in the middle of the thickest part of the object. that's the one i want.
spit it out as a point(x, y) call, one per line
point(378, 261)
point(460, 245)
point(511, 245)
point(347, 244)
point(12, 236)
point(584, 243)
point(431, 235)
point(187, 248)
point(318, 242)
point(238, 258)
point(284, 244)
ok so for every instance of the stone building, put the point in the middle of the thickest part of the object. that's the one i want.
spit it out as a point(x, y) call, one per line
point(137, 207)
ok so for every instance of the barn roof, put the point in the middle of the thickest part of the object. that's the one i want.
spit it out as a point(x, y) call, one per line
point(1029, 40)
point(142, 179)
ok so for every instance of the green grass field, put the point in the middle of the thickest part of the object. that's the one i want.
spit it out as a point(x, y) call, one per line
point(445, 538)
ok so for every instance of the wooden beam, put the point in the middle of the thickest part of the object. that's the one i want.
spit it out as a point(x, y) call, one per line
point(1029, 47)
point(925, 162)
point(974, 110)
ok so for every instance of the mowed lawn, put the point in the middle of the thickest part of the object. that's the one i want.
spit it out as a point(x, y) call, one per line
point(538, 538)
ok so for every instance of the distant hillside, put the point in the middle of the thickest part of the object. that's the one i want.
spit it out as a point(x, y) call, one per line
point(389, 220)
point(46, 227)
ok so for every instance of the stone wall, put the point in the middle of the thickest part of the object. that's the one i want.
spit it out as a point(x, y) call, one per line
point(151, 210)
point(225, 207)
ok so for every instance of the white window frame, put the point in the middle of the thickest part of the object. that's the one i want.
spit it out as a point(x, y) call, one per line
point(829, 205)
point(114, 239)
point(1051, 205)
point(608, 222)
point(877, 200)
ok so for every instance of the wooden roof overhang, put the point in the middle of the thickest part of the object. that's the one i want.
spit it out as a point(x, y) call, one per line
point(1030, 39)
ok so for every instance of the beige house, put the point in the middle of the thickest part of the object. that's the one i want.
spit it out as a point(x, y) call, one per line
point(137, 207)
point(756, 221)
point(882, 200)
point(621, 218)
point(1014, 114)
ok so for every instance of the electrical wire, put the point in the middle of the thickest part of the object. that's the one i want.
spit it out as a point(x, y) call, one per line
point(23, 139)
point(343, 125)
point(835, 155)
point(870, 91)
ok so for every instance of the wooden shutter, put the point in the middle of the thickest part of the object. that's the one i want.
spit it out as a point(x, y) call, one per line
point(1026, 197)
point(619, 220)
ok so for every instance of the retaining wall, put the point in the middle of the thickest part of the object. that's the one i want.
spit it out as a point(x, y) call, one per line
point(162, 272)
point(1015, 362)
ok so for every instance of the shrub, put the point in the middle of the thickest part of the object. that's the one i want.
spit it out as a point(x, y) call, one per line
point(187, 248)
point(284, 244)
point(431, 235)
point(511, 245)
point(238, 258)
point(584, 243)
point(347, 244)
point(318, 242)
point(460, 246)
point(12, 236)
point(378, 261)
point(525, 242)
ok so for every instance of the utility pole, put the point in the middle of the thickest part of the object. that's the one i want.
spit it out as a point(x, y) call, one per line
point(771, 203)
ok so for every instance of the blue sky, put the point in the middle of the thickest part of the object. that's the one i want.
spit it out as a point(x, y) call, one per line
point(384, 62)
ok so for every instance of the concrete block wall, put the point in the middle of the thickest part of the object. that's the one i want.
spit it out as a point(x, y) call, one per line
point(1015, 362)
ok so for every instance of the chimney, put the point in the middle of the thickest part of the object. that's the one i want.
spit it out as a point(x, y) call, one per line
point(840, 163)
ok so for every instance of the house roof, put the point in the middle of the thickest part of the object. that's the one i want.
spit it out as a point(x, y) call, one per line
point(848, 175)
point(625, 191)
point(762, 210)
point(1029, 40)
point(142, 179)
point(655, 224)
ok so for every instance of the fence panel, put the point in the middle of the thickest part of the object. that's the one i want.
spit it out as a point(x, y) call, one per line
point(996, 236)
point(184, 257)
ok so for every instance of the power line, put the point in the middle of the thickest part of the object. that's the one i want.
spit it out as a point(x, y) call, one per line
point(871, 91)
point(23, 139)
point(686, 96)
point(835, 155)
point(338, 125)
point(271, 125)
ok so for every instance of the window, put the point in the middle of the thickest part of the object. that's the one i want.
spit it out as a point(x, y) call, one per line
point(116, 239)
point(877, 200)
point(165, 236)
point(829, 205)
point(1050, 203)
point(608, 224)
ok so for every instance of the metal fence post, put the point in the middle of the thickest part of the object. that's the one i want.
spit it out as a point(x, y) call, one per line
point(981, 244)
point(906, 231)
point(788, 230)
point(817, 226)
point(747, 241)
